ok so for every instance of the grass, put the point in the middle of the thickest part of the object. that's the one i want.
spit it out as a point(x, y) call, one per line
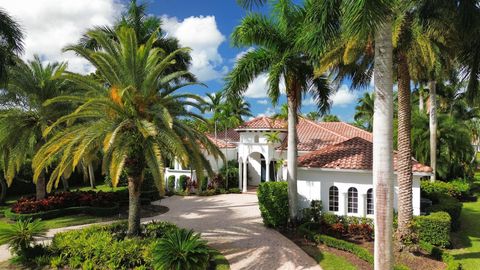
point(468, 237)
point(327, 260)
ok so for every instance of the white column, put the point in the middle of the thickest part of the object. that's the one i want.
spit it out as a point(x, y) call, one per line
point(245, 180)
point(267, 164)
point(363, 206)
point(345, 203)
point(240, 174)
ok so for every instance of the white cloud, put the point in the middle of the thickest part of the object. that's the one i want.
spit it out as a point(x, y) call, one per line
point(201, 34)
point(343, 97)
point(269, 112)
point(262, 101)
point(259, 86)
point(50, 25)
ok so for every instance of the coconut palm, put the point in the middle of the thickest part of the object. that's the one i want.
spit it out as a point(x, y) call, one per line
point(135, 116)
point(277, 55)
point(144, 25)
point(364, 110)
point(23, 117)
point(11, 35)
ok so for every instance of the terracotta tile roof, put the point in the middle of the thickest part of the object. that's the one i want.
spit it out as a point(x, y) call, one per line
point(354, 154)
point(347, 130)
point(229, 139)
point(264, 123)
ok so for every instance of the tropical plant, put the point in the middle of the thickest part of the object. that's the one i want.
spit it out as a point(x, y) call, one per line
point(12, 45)
point(136, 117)
point(273, 137)
point(283, 113)
point(213, 104)
point(330, 118)
point(181, 249)
point(21, 235)
point(23, 117)
point(314, 115)
point(364, 111)
point(276, 53)
point(145, 26)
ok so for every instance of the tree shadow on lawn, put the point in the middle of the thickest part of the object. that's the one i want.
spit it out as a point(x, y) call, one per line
point(470, 223)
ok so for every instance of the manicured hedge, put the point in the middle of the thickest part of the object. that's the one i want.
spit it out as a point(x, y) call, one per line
point(360, 252)
point(171, 183)
point(450, 205)
point(434, 228)
point(94, 211)
point(182, 182)
point(458, 189)
point(438, 254)
point(273, 203)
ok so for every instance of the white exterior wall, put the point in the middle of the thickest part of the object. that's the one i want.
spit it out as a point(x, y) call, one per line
point(314, 184)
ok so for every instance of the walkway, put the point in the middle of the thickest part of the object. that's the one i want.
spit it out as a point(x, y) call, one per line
point(232, 224)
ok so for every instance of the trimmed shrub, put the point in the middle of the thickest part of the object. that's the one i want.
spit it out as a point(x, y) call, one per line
point(457, 188)
point(234, 190)
point(360, 252)
point(232, 173)
point(182, 182)
point(181, 249)
point(450, 205)
point(312, 213)
point(434, 228)
point(273, 203)
point(329, 219)
point(171, 183)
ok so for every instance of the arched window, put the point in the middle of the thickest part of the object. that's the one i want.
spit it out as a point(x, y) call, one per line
point(352, 200)
point(255, 139)
point(333, 199)
point(370, 201)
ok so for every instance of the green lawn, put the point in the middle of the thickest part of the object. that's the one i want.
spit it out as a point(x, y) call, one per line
point(468, 237)
point(327, 260)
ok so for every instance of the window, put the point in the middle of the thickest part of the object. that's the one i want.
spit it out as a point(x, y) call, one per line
point(333, 199)
point(352, 200)
point(370, 202)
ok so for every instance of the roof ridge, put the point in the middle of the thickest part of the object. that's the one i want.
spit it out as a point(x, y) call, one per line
point(324, 128)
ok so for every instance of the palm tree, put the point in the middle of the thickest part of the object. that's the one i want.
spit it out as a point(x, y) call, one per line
point(23, 117)
point(314, 115)
point(364, 110)
point(277, 54)
point(330, 118)
point(135, 116)
point(283, 113)
point(213, 104)
point(239, 108)
point(11, 35)
point(144, 26)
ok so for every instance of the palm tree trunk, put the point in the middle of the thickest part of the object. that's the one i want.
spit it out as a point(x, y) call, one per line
point(421, 102)
point(135, 179)
point(433, 128)
point(404, 160)
point(383, 148)
point(91, 175)
point(40, 191)
point(292, 154)
point(3, 191)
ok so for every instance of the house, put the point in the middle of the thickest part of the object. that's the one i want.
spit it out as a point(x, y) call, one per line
point(334, 162)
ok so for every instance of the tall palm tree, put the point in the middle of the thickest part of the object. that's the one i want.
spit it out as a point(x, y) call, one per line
point(213, 104)
point(135, 116)
point(364, 110)
point(277, 54)
point(144, 25)
point(12, 45)
point(23, 117)
point(239, 109)
point(362, 20)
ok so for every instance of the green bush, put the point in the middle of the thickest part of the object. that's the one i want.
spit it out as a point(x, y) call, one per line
point(360, 252)
point(204, 183)
point(171, 183)
point(234, 190)
point(329, 219)
point(457, 188)
point(182, 182)
point(438, 254)
point(273, 203)
point(208, 192)
point(434, 228)
point(312, 213)
point(232, 173)
point(450, 205)
point(181, 249)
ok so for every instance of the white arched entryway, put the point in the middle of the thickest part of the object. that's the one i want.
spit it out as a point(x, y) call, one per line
point(254, 170)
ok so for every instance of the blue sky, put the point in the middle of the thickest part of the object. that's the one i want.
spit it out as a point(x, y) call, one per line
point(203, 25)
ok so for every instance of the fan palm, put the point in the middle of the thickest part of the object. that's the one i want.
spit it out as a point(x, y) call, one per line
point(136, 117)
point(277, 54)
point(11, 35)
point(23, 117)
point(144, 26)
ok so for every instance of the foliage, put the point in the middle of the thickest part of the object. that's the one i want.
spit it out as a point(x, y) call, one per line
point(60, 200)
point(330, 118)
point(12, 35)
point(439, 254)
point(360, 252)
point(312, 213)
point(171, 183)
point(204, 183)
point(458, 189)
point(181, 249)
point(234, 190)
point(364, 111)
point(232, 173)
point(450, 205)
point(434, 228)
point(20, 235)
point(273, 203)
point(182, 182)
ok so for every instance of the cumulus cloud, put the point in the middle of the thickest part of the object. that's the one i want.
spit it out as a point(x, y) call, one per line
point(268, 112)
point(262, 101)
point(201, 34)
point(343, 97)
point(50, 25)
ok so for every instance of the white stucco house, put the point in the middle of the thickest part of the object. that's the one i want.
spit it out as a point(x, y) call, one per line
point(334, 163)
